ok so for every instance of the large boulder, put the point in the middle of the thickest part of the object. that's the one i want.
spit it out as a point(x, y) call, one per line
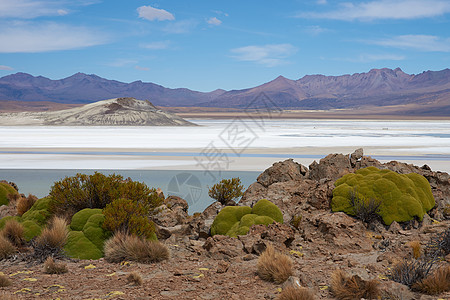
point(282, 171)
point(332, 167)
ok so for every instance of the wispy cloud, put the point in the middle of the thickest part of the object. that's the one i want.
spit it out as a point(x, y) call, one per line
point(214, 21)
point(268, 55)
point(142, 68)
point(179, 27)
point(427, 43)
point(322, 2)
point(6, 68)
point(384, 9)
point(26, 37)
point(368, 58)
point(122, 62)
point(29, 9)
point(160, 45)
point(315, 30)
point(152, 14)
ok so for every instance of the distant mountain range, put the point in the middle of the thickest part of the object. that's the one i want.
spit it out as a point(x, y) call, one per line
point(425, 93)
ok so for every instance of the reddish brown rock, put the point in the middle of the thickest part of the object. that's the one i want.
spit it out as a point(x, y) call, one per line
point(223, 247)
point(282, 171)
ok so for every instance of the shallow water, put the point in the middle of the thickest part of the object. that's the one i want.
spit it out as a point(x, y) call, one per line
point(190, 185)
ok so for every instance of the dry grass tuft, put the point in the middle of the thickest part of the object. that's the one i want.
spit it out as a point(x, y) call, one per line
point(51, 267)
point(135, 278)
point(6, 247)
point(25, 203)
point(4, 281)
point(55, 235)
point(436, 283)
point(130, 247)
point(14, 232)
point(416, 249)
point(295, 293)
point(344, 287)
point(274, 266)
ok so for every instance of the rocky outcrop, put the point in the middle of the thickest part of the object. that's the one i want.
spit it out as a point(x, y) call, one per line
point(295, 188)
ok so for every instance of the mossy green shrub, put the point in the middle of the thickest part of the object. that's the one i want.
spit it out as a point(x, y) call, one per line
point(33, 220)
point(80, 218)
point(237, 220)
point(5, 191)
point(87, 236)
point(402, 196)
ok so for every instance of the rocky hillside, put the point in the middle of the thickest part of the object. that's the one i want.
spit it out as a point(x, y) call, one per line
point(113, 112)
point(317, 241)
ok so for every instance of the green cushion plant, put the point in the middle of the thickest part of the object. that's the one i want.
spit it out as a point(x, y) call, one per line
point(237, 220)
point(402, 196)
point(87, 236)
point(5, 191)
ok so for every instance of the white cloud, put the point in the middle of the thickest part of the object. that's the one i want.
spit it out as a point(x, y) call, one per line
point(184, 26)
point(6, 68)
point(151, 14)
point(142, 68)
point(214, 21)
point(30, 37)
point(29, 9)
point(427, 43)
point(322, 2)
point(156, 45)
point(268, 55)
point(385, 9)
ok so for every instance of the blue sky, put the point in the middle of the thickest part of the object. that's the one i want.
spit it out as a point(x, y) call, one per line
point(209, 44)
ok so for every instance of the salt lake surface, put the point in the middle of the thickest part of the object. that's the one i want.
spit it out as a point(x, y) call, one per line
point(216, 149)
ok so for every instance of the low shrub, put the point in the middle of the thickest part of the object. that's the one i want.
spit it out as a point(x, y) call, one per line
point(126, 215)
point(439, 245)
point(296, 221)
point(295, 293)
point(436, 283)
point(274, 266)
point(226, 190)
point(14, 232)
point(4, 281)
point(344, 287)
point(73, 194)
point(25, 203)
point(6, 248)
point(52, 239)
point(409, 272)
point(134, 278)
point(130, 247)
point(51, 267)
point(364, 209)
